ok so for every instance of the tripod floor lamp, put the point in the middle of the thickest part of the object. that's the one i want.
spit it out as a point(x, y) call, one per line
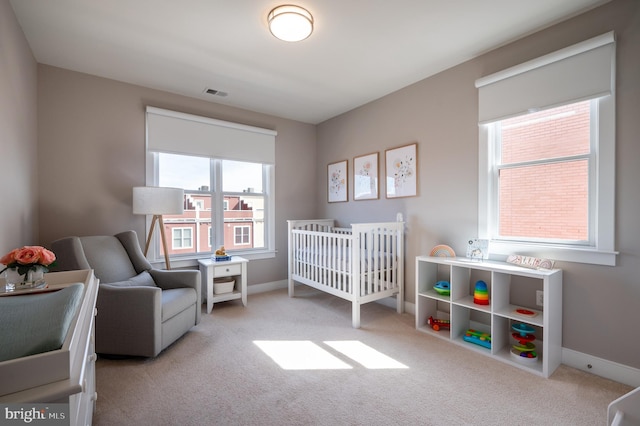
point(158, 201)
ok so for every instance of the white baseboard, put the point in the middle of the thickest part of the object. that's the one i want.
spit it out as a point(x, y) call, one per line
point(601, 367)
point(264, 287)
point(410, 308)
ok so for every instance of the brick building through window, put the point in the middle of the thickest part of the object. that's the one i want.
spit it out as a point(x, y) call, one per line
point(544, 174)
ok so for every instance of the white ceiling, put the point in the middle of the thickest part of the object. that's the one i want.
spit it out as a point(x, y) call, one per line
point(359, 51)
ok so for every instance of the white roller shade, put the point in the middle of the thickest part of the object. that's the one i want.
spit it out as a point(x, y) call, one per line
point(176, 132)
point(583, 71)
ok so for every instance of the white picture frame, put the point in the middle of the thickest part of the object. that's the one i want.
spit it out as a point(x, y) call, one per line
point(337, 182)
point(365, 177)
point(402, 171)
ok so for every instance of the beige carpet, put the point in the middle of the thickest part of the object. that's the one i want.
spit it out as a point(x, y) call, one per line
point(217, 375)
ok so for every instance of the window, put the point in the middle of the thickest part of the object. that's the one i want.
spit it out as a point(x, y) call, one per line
point(225, 189)
point(240, 185)
point(547, 155)
point(182, 238)
point(242, 235)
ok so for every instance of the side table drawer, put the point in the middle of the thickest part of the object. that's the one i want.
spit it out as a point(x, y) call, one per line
point(227, 270)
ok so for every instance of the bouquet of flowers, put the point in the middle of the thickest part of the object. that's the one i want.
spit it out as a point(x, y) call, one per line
point(28, 258)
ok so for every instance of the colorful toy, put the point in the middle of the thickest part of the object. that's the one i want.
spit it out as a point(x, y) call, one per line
point(481, 293)
point(523, 329)
point(438, 324)
point(524, 350)
point(525, 312)
point(221, 255)
point(442, 250)
point(442, 288)
point(478, 338)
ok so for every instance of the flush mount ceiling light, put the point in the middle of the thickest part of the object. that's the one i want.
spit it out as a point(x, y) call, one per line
point(290, 23)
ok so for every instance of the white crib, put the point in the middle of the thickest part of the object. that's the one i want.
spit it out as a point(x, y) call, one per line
point(362, 264)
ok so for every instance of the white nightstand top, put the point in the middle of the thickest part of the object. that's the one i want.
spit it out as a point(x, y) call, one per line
point(211, 262)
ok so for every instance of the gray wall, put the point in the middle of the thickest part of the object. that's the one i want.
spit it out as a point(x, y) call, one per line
point(440, 113)
point(91, 141)
point(18, 137)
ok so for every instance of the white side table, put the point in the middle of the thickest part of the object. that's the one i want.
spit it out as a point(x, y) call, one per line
point(210, 269)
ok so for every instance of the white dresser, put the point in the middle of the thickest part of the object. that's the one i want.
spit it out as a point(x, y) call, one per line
point(66, 375)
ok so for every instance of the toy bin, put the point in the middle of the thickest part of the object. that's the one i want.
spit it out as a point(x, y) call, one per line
point(223, 285)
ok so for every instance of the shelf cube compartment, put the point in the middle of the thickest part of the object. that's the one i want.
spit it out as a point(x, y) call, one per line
point(430, 274)
point(465, 319)
point(432, 308)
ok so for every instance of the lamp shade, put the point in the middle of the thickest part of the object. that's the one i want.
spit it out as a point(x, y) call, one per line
point(157, 200)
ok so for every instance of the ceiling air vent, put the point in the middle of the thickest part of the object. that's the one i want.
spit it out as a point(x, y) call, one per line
point(216, 92)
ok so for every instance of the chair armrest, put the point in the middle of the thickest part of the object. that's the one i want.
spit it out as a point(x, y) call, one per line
point(176, 278)
point(140, 304)
point(129, 320)
point(180, 279)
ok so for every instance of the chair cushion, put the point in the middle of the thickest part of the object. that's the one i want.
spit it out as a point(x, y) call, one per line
point(108, 258)
point(142, 279)
point(176, 300)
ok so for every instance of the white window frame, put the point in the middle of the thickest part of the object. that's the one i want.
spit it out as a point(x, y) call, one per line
point(248, 234)
point(600, 250)
point(217, 199)
point(181, 229)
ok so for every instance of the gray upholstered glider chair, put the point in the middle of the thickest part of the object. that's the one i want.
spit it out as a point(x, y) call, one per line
point(141, 310)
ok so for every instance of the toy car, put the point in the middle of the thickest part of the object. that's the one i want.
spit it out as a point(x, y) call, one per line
point(438, 324)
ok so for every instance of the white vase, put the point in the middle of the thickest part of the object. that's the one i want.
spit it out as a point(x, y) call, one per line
point(34, 277)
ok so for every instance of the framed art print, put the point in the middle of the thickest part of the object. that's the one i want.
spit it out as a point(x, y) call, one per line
point(402, 171)
point(365, 177)
point(337, 181)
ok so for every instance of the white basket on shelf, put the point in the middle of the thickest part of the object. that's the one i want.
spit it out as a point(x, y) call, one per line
point(223, 285)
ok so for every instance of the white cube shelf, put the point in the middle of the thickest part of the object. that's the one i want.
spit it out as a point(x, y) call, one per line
point(511, 288)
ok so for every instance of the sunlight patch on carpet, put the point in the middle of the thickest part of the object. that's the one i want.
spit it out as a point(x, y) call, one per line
point(300, 355)
point(365, 355)
point(307, 355)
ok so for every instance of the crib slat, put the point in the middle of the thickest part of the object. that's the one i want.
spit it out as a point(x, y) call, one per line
point(377, 256)
point(316, 251)
point(386, 277)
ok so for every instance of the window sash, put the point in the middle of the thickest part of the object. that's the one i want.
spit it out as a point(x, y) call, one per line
point(498, 166)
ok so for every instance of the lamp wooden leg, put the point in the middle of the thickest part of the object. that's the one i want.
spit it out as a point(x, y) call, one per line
point(164, 242)
point(153, 225)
